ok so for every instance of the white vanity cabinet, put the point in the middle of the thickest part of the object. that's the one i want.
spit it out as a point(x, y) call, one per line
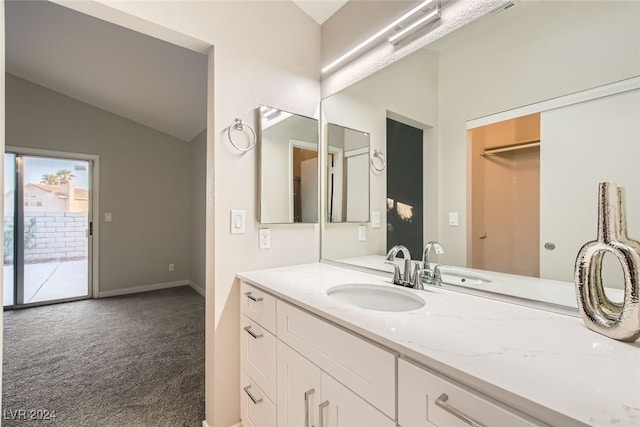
point(258, 357)
point(299, 370)
point(308, 396)
point(427, 399)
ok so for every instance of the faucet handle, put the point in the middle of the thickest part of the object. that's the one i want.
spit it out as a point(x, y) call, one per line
point(437, 275)
point(397, 280)
point(417, 278)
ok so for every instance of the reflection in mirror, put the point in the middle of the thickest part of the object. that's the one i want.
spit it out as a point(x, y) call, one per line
point(288, 167)
point(347, 174)
point(524, 112)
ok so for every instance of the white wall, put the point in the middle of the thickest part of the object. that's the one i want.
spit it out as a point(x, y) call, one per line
point(197, 209)
point(518, 61)
point(143, 181)
point(255, 60)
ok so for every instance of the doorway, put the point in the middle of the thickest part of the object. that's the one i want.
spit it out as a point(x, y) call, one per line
point(48, 229)
point(505, 196)
point(404, 186)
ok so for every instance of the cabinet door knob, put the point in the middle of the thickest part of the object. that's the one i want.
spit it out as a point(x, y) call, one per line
point(251, 396)
point(442, 403)
point(307, 394)
point(250, 332)
point(321, 410)
point(252, 298)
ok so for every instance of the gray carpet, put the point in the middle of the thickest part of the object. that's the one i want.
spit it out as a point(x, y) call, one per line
point(129, 361)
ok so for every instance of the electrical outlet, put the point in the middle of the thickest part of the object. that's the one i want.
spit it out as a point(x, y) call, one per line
point(362, 233)
point(172, 267)
point(264, 238)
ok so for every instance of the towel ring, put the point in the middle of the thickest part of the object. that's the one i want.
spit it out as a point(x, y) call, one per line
point(382, 163)
point(239, 125)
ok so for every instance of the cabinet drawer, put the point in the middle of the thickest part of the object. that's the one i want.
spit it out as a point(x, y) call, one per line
point(364, 368)
point(420, 396)
point(258, 306)
point(256, 409)
point(258, 352)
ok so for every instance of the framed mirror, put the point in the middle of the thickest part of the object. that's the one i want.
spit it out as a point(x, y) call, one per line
point(289, 167)
point(347, 174)
point(575, 80)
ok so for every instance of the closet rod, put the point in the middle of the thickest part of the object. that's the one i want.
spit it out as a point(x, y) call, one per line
point(511, 147)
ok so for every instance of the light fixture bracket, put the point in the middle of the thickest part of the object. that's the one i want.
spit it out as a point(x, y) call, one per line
point(428, 15)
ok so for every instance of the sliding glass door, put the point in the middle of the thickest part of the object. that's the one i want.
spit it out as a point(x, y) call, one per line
point(47, 229)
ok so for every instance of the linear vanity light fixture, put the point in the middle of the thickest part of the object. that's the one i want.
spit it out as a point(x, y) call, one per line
point(415, 27)
point(379, 34)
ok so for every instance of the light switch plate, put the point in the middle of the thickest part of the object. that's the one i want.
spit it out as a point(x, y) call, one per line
point(108, 217)
point(375, 219)
point(453, 218)
point(264, 238)
point(238, 221)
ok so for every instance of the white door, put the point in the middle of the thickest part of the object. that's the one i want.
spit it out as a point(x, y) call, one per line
point(298, 389)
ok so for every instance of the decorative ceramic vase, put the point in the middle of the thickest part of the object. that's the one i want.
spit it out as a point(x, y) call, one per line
point(620, 321)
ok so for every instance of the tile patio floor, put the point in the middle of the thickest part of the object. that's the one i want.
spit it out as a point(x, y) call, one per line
point(49, 281)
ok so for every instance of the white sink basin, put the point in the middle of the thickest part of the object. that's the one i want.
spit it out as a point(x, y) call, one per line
point(376, 297)
point(461, 276)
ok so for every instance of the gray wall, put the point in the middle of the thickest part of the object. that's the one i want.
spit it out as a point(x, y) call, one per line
point(197, 208)
point(144, 179)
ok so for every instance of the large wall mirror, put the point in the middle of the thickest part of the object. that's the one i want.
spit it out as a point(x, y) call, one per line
point(288, 167)
point(516, 118)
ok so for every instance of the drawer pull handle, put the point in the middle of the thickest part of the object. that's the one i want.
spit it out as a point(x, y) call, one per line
point(252, 298)
point(321, 410)
point(442, 403)
point(250, 332)
point(251, 396)
point(307, 394)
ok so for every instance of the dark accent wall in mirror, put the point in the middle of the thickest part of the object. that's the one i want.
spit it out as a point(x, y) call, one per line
point(289, 167)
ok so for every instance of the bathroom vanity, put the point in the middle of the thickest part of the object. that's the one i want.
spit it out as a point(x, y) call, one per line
point(311, 358)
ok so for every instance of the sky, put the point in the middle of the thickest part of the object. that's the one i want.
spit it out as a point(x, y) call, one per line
point(35, 167)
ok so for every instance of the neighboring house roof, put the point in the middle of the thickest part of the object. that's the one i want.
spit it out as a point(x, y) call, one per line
point(79, 193)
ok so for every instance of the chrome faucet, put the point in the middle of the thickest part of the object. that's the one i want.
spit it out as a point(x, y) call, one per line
point(426, 264)
point(400, 279)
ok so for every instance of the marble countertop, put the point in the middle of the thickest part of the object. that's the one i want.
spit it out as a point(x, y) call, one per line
point(546, 364)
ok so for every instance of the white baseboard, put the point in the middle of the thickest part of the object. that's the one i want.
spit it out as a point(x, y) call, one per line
point(199, 289)
point(143, 288)
point(205, 424)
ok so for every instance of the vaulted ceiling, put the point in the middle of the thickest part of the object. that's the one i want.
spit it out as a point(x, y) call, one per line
point(147, 80)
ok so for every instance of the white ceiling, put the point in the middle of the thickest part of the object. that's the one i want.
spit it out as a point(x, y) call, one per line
point(320, 10)
point(149, 81)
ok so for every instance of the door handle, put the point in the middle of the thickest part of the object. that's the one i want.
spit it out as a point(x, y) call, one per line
point(441, 402)
point(321, 410)
point(253, 334)
point(307, 394)
point(252, 298)
point(251, 396)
